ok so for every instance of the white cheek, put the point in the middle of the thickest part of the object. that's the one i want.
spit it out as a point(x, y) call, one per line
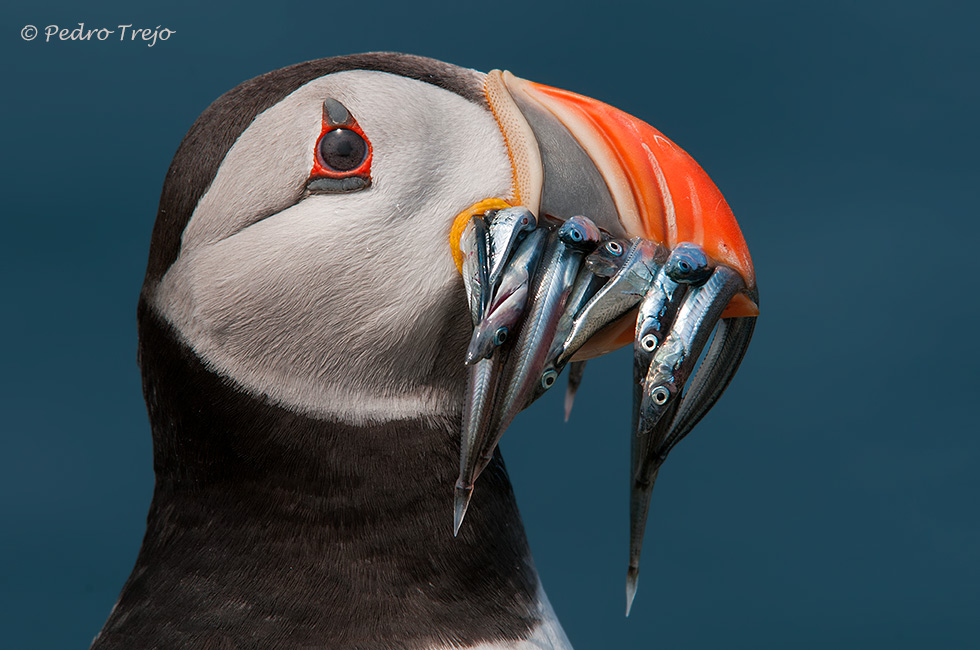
point(343, 305)
point(308, 312)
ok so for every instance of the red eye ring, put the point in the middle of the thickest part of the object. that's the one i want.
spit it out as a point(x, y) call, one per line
point(325, 177)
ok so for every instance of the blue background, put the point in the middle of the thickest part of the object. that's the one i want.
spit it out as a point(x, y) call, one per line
point(829, 500)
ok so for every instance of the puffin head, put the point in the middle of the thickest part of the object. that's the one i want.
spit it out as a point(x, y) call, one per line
point(307, 243)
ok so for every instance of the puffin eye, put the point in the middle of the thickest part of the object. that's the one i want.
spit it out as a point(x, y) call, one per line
point(342, 154)
point(342, 150)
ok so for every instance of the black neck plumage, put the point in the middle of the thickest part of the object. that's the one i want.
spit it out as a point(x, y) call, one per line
point(273, 529)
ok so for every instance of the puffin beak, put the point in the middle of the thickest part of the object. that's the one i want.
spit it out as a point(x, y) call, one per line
point(572, 155)
point(575, 155)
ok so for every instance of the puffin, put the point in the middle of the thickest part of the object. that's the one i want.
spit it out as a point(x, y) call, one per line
point(302, 329)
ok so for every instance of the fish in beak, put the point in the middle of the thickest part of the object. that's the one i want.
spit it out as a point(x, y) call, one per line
point(527, 360)
point(506, 228)
point(491, 330)
point(625, 288)
point(642, 248)
point(509, 297)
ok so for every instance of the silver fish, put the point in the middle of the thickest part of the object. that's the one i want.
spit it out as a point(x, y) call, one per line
point(485, 373)
point(656, 313)
point(473, 246)
point(494, 330)
point(483, 261)
point(606, 260)
point(712, 377)
point(506, 227)
point(669, 370)
point(575, 238)
point(620, 294)
point(586, 285)
point(484, 376)
point(509, 301)
point(674, 359)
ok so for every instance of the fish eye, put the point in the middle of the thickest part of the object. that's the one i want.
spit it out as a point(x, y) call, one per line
point(577, 235)
point(548, 378)
point(684, 266)
point(649, 342)
point(500, 336)
point(660, 395)
point(615, 248)
point(525, 221)
point(341, 150)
